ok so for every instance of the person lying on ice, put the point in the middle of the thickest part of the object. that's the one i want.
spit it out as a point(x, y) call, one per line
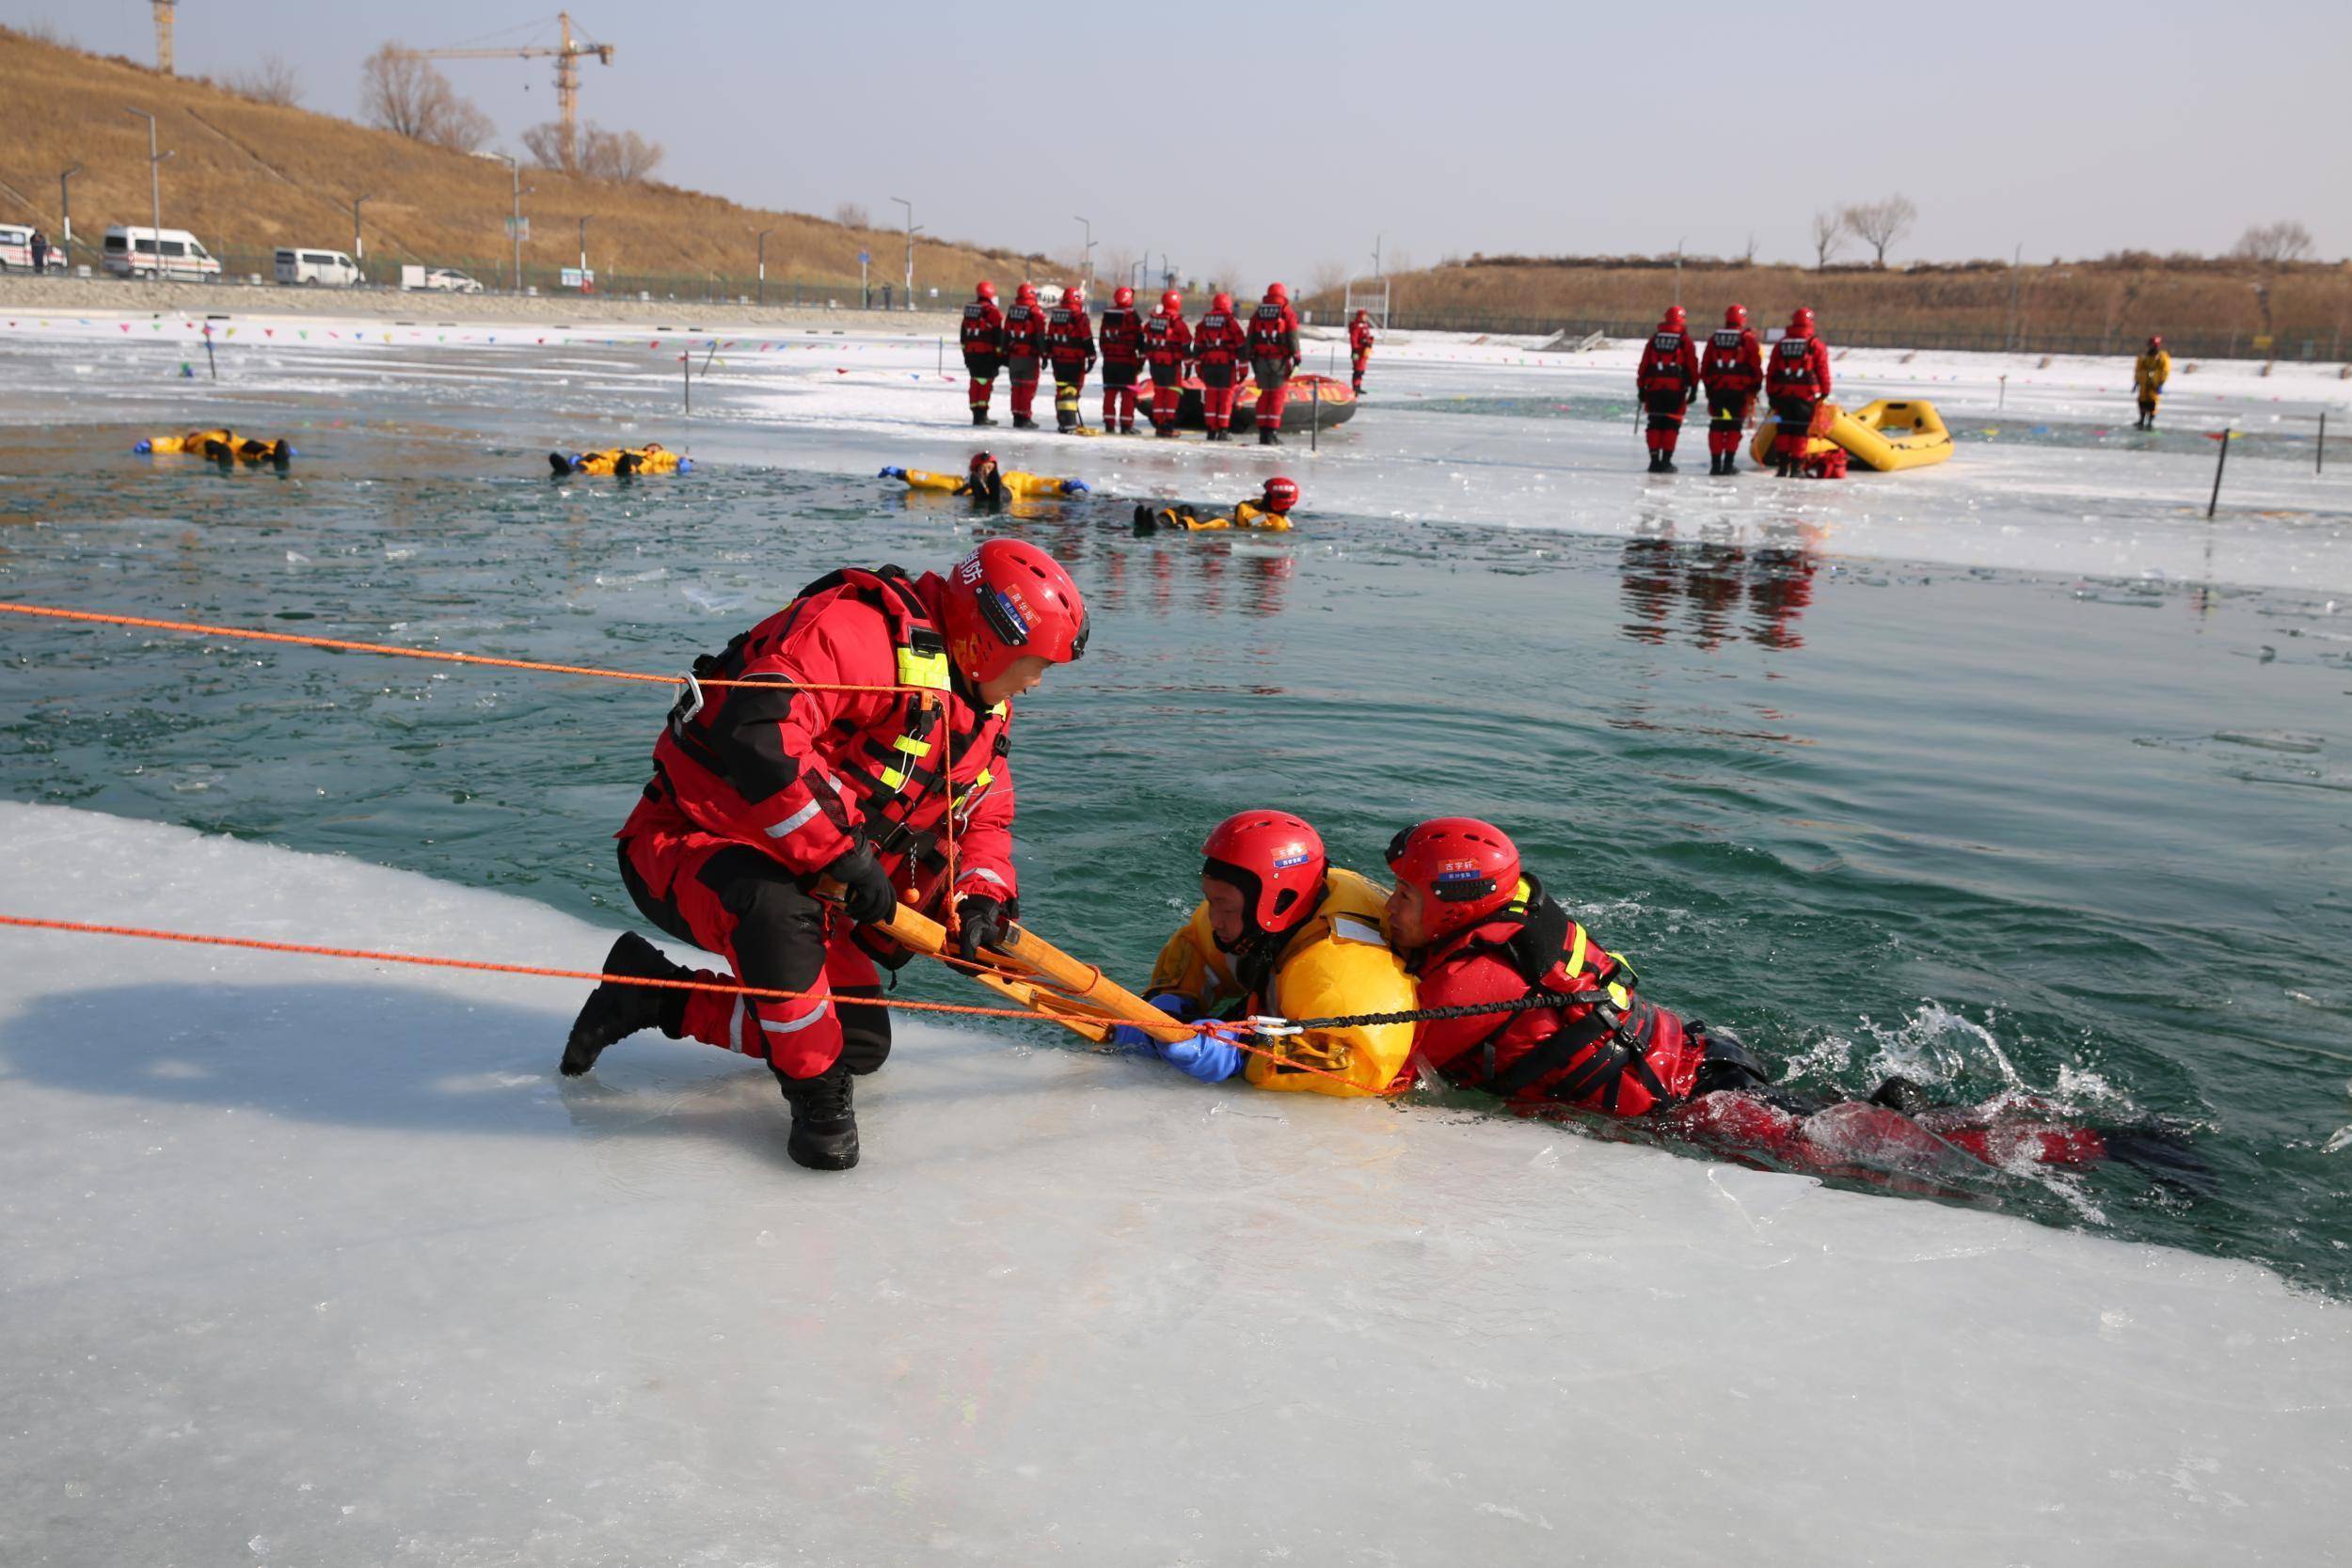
point(760, 793)
point(986, 483)
point(1473, 926)
point(1280, 929)
point(1271, 511)
point(651, 458)
point(221, 445)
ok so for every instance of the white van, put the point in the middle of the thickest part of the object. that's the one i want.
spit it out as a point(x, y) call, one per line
point(16, 250)
point(139, 251)
point(331, 267)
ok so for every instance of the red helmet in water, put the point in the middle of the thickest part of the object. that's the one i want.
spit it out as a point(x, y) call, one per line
point(1007, 599)
point(1172, 301)
point(1123, 297)
point(1464, 869)
point(1277, 293)
point(1675, 320)
point(1275, 860)
point(1802, 321)
point(1736, 316)
point(987, 290)
point(1281, 494)
point(1025, 295)
point(981, 460)
point(1222, 302)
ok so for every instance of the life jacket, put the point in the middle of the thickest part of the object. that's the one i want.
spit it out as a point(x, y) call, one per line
point(1219, 337)
point(1792, 374)
point(1166, 340)
point(1121, 336)
point(1728, 367)
point(1069, 336)
point(1662, 368)
point(1024, 331)
point(983, 328)
point(885, 770)
point(1271, 335)
point(1359, 337)
point(1610, 1050)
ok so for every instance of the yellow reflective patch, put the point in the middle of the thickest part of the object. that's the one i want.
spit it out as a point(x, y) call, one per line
point(912, 746)
point(1576, 952)
point(893, 779)
point(928, 671)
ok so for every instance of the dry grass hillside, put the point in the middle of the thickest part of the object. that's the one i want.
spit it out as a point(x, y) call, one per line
point(2201, 306)
point(246, 177)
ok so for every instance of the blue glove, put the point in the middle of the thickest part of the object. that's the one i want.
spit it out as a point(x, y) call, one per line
point(1074, 487)
point(686, 465)
point(1128, 1037)
point(143, 448)
point(1210, 1058)
point(892, 473)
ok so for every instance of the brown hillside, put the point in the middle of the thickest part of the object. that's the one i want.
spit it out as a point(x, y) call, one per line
point(247, 177)
point(2201, 307)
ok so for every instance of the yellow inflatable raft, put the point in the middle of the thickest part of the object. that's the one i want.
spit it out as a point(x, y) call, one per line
point(1885, 435)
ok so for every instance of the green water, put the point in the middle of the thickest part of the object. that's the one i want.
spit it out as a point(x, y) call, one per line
point(1992, 832)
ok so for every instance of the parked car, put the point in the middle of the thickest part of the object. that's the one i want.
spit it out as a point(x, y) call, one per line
point(448, 280)
point(135, 250)
point(16, 250)
point(331, 268)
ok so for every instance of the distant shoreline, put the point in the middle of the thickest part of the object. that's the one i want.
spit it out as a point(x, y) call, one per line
point(115, 296)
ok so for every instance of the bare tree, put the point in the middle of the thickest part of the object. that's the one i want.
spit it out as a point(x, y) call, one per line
point(408, 97)
point(272, 80)
point(1880, 224)
point(1329, 277)
point(852, 214)
point(548, 147)
point(621, 155)
point(2272, 244)
point(1828, 229)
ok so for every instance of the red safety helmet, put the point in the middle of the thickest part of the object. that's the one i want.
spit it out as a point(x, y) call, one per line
point(1464, 869)
point(1172, 301)
point(1222, 302)
point(1277, 293)
point(981, 460)
point(1364, 315)
point(1802, 321)
point(1281, 494)
point(1123, 296)
point(1025, 295)
point(987, 290)
point(1074, 298)
point(1007, 599)
point(1275, 860)
point(2155, 340)
point(1675, 320)
point(1736, 316)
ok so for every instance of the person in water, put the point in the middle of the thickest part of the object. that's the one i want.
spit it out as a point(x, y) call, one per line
point(1279, 929)
point(986, 484)
point(624, 462)
point(222, 446)
point(815, 774)
point(1270, 512)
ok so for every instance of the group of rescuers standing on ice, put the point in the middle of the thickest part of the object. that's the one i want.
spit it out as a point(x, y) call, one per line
point(1023, 340)
point(864, 760)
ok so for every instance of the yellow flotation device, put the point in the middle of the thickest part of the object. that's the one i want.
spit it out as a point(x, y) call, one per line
point(651, 458)
point(1248, 514)
point(219, 445)
point(1886, 435)
point(1018, 485)
point(1349, 971)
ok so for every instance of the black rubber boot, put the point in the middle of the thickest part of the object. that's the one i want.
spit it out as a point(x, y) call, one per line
point(1022, 422)
point(979, 416)
point(1901, 1094)
point(1165, 433)
point(615, 1011)
point(559, 464)
point(1655, 461)
point(824, 1122)
point(1731, 463)
point(1667, 464)
point(1267, 438)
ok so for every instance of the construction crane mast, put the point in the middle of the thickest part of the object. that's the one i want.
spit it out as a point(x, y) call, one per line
point(568, 56)
point(163, 33)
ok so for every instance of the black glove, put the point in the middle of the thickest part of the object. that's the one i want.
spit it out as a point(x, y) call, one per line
point(980, 922)
point(866, 892)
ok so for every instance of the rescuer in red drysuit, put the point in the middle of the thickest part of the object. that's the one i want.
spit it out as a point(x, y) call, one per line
point(1273, 356)
point(1166, 346)
point(1733, 370)
point(760, 793)
point(1069, 342)
point(1667, 379)
point(1359, 347)
point(1218, 344)
point(1024, 345)
point(983, 339)
point(1473, 927)
point(1796, 381)
point(1121, 337)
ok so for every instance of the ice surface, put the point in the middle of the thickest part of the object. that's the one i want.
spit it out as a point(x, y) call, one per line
point(316, 1263)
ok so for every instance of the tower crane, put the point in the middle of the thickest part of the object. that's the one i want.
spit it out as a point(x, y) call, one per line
point(163, 33)
point(568, 56)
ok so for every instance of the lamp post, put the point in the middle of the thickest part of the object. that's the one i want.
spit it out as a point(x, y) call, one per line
point(1085, 256)
point(1376, 254)
point(515, 223)
point(763, 265)
point(584, 251)
point(359, 244)
point(155, 195)
point(65, 204)
point(910, 207)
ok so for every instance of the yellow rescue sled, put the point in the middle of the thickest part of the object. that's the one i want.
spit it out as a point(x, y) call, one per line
point(1885, 434)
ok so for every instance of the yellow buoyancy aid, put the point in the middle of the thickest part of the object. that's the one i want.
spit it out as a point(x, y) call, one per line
point(648, 460)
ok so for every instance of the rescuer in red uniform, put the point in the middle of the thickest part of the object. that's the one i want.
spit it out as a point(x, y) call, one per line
point(1360, 346)
point(1122, 362)
point(983, 347)
point(762, 792)
point(1273, 356)
point(1733, 370)
point(1667, 379)
point(1218, 346)
point(1796, 381)
point(1024, 345)
point(1069, 342)
point(1166, 344)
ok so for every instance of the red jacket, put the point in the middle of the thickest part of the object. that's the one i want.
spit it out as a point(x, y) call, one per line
point(802, 774)
point(1070, 336)
point(1024, 332)
point(1669, 364)
point(1273, 333)
point(983, 327)
point(1800, 368)
point(1122, 335)
point(1359, 339)
point(1220, 339)
point(1166, 342)
point(1734, 363)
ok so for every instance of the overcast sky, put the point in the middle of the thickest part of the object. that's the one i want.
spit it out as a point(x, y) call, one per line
point(1479, 125)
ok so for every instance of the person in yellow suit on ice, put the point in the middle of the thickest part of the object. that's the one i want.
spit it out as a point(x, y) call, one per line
point(221, 445)
point(1271, 512)
point(2149, 372)
point(1280, 930)
point(986, 483)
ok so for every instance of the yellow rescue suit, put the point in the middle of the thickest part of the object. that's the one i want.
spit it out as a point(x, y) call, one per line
point(649, 459)
point(2149, 372)
point(1247, 514)
point(1337, 963)
point(1017, 484)
point(204, 442)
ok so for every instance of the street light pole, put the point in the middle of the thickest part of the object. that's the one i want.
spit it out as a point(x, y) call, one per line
point(65, 204)
point(910, 207)
point(359, 244)
point(1376, 254)
point(763, 265)
point(1085, 256)
point(155, 195)
point(584, 251)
